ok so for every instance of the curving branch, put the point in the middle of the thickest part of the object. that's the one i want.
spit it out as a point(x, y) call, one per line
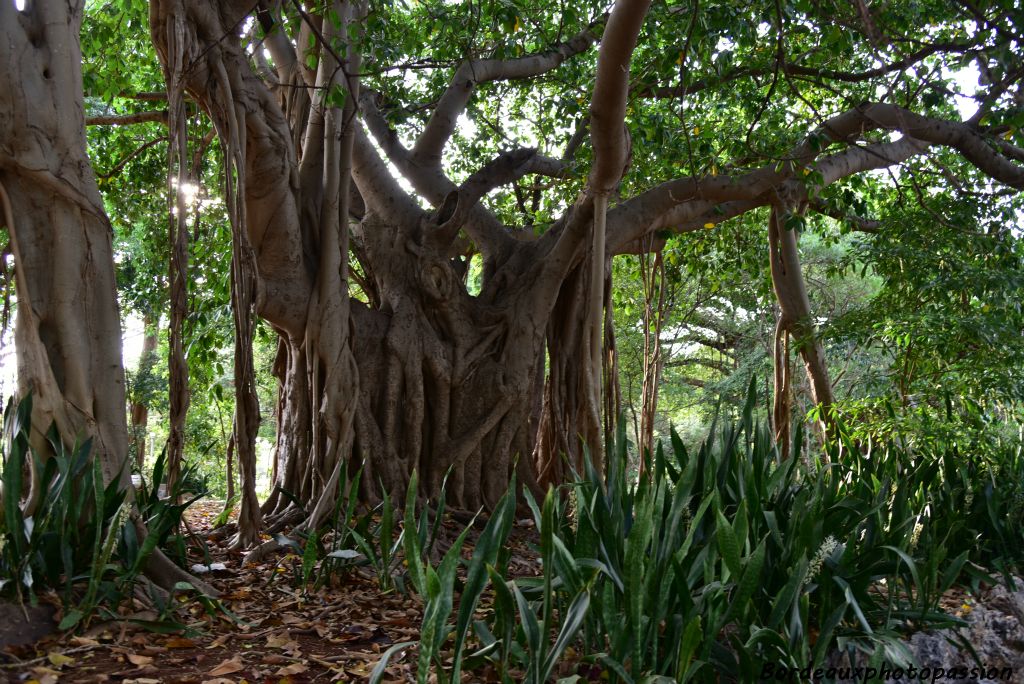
point(127, 119)
point(790, 69)
point(377, 186)
point(611, 90)
point(486, 231)
point(963, 137)
point(678, 203)
point(430, 145)
point(455, 209)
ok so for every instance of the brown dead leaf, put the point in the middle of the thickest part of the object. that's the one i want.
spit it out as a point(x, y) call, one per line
point(139, 660)
point(274, 659)
point(83, 641)
point(278, 640)
point(45, 675)
point(293, 669)
point(219, 641)
point(179, 642)
point(228, 666)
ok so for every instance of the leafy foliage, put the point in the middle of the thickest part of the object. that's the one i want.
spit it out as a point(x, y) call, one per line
point(82, 540)
point(724, 559)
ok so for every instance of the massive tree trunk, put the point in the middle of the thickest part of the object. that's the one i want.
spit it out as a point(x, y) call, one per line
point(68, 331)
point(429, 377)
point(438, 379)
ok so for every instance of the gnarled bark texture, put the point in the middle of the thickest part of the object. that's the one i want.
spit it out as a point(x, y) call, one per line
point(427, 376)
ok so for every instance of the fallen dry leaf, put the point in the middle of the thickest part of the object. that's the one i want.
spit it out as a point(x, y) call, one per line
point(179, 642)
point(59, 659)
point(219, 641)
point(278, 640)
point(83, 641)
point(139, 660)
point(228, 666)
point(293, 669)
point(45, 675)
point(273, 659)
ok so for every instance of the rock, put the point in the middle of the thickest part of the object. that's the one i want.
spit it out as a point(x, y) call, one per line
point(995, 631)
point(15, 629)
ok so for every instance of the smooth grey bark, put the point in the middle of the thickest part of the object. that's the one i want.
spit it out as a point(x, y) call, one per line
point(796, 322)
point(68, 328)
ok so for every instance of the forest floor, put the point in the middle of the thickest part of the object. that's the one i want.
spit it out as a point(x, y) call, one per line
point(267, 628)
point(270, 630)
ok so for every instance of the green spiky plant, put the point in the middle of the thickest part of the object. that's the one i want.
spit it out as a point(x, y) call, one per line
point(80, 540)
point(726, 559)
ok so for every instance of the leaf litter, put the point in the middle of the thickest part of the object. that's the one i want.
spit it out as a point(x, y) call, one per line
point(267, 631)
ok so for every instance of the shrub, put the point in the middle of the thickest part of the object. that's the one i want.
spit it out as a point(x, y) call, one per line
point(726, 559)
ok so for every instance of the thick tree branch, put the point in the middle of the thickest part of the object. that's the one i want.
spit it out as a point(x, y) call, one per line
point(427, 150)
point(711, 364)
point(611, 89)
point(378, 187)
point(1010, 150)
point(489, 234)
point(964, 138)
point(677, 203)
point(791, 69)
point(724, 346)
point(127, 119)
point(383, 133)
point(453, 212)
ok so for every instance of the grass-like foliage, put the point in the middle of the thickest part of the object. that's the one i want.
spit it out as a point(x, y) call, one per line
point(82, 541)
point(723, 560)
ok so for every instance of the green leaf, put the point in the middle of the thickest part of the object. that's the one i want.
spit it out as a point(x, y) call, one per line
point(572, 621)
point(485, 554)
point(70, 619)
point(380, 668)
point(728, 546)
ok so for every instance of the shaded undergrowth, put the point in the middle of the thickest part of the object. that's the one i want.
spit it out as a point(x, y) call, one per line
point(721, 561)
